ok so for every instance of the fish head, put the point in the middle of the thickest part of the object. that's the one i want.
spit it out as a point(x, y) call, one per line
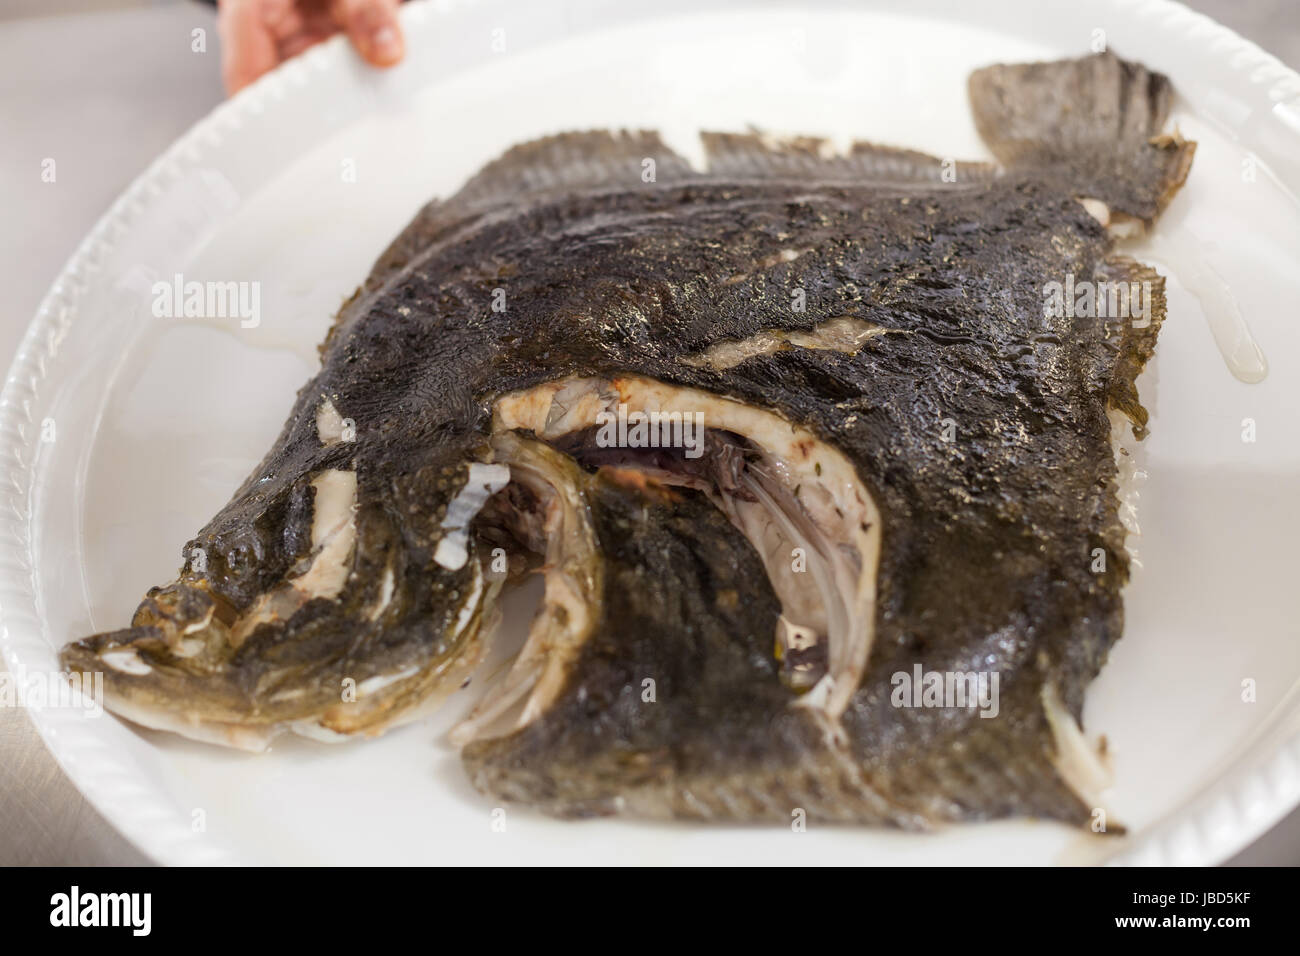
point(311, 611)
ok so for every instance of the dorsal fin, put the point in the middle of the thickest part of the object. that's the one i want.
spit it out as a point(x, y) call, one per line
point(573, 161)
point(757, 155)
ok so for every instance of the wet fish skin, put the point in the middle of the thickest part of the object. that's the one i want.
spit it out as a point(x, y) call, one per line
point(988, 539)
point(674, 709)
point(684, 642)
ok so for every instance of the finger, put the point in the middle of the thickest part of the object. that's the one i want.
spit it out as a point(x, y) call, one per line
point(283, 18)
point(304, 41)
point(372, 27)
point(248, 48)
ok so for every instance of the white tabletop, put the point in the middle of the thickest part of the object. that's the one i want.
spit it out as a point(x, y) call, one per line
point(103, 93)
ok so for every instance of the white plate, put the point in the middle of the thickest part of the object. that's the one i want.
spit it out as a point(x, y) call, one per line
point(155, 421)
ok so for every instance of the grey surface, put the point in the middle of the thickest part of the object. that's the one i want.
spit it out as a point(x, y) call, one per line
point(103, 93)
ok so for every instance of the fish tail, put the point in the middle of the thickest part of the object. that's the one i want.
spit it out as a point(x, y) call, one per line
point(1098, 119)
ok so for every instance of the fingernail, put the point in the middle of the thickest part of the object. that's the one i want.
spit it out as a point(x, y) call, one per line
point(386, 44)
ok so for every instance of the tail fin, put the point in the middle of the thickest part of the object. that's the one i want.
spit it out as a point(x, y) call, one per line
point(1099, 119)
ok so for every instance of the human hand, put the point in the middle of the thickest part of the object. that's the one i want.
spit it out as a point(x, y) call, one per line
point(259, 35)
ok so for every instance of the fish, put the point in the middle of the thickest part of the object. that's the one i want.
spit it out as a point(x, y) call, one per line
point(817, 452)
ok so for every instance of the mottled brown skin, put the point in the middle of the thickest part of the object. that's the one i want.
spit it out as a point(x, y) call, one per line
point(687, 607)
point(714, 736)
point(987, 539)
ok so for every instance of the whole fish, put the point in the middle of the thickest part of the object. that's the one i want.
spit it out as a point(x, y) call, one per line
point(815, 450)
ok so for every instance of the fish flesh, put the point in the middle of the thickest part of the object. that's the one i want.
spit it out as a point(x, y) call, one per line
point(814, 450)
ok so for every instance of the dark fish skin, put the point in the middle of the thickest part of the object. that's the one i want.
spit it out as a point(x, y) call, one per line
point(687, 607)
point(988, 539)
point(674, 708)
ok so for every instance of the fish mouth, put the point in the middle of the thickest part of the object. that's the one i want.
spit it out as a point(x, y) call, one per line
point(796, 498)
point(195, 664)
point(194, 691)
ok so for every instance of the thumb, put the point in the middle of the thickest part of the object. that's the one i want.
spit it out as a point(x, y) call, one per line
point(372, 27)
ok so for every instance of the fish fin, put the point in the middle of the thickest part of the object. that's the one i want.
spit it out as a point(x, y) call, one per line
point(590, 159)
point(1098, 119)
point(409, 243)
point(1138, 333)
point(413, 240)
point(761, 155)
